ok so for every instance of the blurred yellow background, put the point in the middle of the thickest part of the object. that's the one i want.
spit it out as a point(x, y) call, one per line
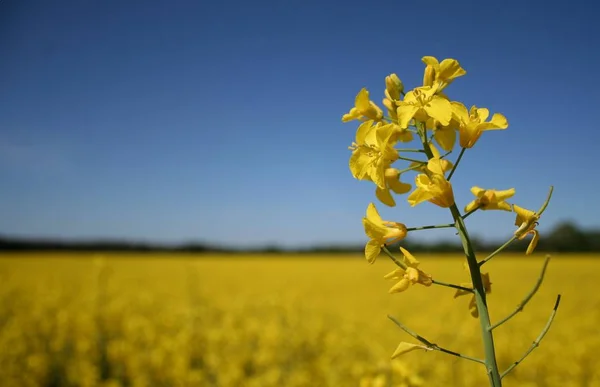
point(219, 320)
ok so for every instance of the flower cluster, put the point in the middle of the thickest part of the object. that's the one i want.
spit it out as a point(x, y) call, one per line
point(427, 116)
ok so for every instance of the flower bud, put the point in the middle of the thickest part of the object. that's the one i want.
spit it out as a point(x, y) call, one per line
point(394, 86)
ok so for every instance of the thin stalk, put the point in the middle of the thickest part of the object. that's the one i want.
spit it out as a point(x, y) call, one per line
point(413, 160)
point(480, 299)
point(436, 282)
point(410, 150)
point(430, 227)
point(389, 254)
point(536, 343)
point(460, 155)
point(498, 250)
point(431, 345)
point(466, 215)
point(527, 297)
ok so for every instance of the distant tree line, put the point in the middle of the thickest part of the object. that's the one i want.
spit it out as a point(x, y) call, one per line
point(565, 237)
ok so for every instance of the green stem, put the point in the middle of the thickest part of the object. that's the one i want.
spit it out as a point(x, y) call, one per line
point(465, 216)
point(389, 254)
point(536, 343)
point(430, 227)
point(436, 282)
point(478, 288)
point(527, 297)
point(460, 155)
point(498, 250)
point(410, 150)
point(480, 299)
point(413, 160)
point(431, 345)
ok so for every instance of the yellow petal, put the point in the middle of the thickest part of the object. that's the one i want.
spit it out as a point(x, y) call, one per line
point(435, 165)
point(406, 112)
point(362, 131)
point(430, 60)
point(362, 100)
point(440, 109)
point(497, 122)
point(471, 206)
point(419, 195)
point(408, 257)
point(395, 274)
point(407, 347)
point(401, 286)
point(450, 69)
point(385, 196)
point(534, 242)
point(373, 214)
point(483, 114)
point(372, 250)
point(446, 137)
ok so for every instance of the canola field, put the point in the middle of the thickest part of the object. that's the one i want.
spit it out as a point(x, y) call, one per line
point(182, 320)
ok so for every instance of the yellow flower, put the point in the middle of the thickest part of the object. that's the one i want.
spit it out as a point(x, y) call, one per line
point(444, 135)
point(373, 152)
point(432, 186)
point(405, 347)
point(441, 73)
point(487, 286)
point(490, 199)
point(393, 87)
point(421, 104)
point(363, 107)
point(473, 124)
point(526, 221)
point(409, 276)
point(380, 232)
point(392, 181)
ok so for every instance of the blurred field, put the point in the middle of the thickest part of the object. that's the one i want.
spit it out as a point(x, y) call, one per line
point(166, 320)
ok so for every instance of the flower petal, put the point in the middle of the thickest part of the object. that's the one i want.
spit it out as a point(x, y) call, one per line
point(385, 196)
point(407, 347)
point(440, 109)
point(372, 250)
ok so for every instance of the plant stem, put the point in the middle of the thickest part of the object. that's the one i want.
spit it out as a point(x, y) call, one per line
point(413, 160)
point(527, 297)
point(480, 299)
point(430, 227)
point(478, 288)
point(436, 282)
point(410, 150)
point(498, 250)
point(431, 345)
point(460, 155)
point(536, 343)
point(465, 216)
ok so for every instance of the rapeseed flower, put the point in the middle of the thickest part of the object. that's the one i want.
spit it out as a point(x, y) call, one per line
point(441, 74)
point(363, 108)
point(473, 123)
point(380, 232)
point(421, 104)
point(409, 276)
point(526, 221)
point(432, 186)
point(490, 199)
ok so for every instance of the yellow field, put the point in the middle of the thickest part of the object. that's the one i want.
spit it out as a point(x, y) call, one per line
point(166, 320)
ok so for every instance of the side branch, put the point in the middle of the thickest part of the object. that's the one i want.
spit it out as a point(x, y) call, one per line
point(431, 345)
point(536, 343)
point(498, 250)
point(435, 282)
point(430, 227)
point(527, 297)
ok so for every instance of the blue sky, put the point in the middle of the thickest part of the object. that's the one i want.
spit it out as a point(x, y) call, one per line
point(220, 121)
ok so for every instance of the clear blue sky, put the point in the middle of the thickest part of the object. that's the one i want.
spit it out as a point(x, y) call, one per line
point(220, 120)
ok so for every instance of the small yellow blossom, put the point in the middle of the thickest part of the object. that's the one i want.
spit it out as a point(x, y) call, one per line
point(421, 104)
point(405, 347)
point(487, 286)
point(393, 87)
point(363, 108)
point(441, 73)
point(490, 199)
point(526, 221)
point(473, 124)
point(392, 181)
point(432, 186)
point(409, 276)
point(373, 152)
point(380, 232)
